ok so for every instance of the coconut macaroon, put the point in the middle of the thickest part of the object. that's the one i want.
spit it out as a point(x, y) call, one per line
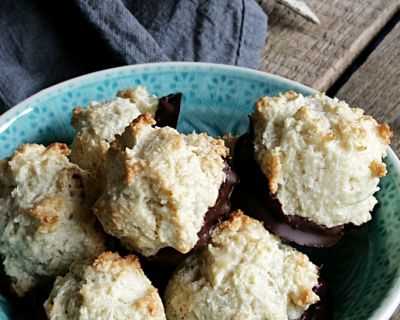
point(108, 287)
point(159, 186)
point(45, 223)
point(322, 159)
point(244, 273)
point(97, 125)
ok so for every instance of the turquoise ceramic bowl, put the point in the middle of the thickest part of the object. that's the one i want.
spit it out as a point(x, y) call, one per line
point(363, 269)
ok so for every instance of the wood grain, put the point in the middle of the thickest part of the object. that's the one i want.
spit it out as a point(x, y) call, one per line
point(396, 315)
point(317, 55)
point(375, 86)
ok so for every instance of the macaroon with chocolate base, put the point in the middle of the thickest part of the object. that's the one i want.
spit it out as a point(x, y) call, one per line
point(164, 189)
point(310, 166)
point(97, 125)
point(244, 272)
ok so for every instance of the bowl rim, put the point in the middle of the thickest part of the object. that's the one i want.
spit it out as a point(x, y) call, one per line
point(392, 300)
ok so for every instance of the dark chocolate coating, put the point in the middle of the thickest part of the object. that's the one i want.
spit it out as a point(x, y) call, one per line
point(168, 110)
point(321, 310)
point(254, 197)
point(221, 208)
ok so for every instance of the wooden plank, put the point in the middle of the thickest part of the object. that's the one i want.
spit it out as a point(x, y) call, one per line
point(375, 86)
point(317, 55)
point(396, 315)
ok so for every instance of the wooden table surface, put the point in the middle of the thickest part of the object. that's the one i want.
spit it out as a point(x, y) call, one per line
point(340, 56)
point(354, 54)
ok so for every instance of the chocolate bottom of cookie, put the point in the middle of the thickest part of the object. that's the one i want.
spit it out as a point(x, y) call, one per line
point(213, 216)
point(254, 197)
point(168, 110)
point(322, 309)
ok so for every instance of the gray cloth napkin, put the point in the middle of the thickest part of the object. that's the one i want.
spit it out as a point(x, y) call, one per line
point(43, 42)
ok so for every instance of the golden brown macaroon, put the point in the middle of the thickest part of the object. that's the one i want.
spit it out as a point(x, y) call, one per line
point(160, 184)
point(322, 159)
point(244, 273)
point(45, 222)
point(107, 287)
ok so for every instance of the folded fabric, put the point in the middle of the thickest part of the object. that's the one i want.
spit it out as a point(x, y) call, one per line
point(44, 42)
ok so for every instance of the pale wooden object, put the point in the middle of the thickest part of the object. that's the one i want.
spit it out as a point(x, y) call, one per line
point(375, 86)
point(317, 55)
point(300, 8)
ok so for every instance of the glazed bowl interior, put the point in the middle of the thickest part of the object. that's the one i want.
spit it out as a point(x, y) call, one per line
point(362, 270)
